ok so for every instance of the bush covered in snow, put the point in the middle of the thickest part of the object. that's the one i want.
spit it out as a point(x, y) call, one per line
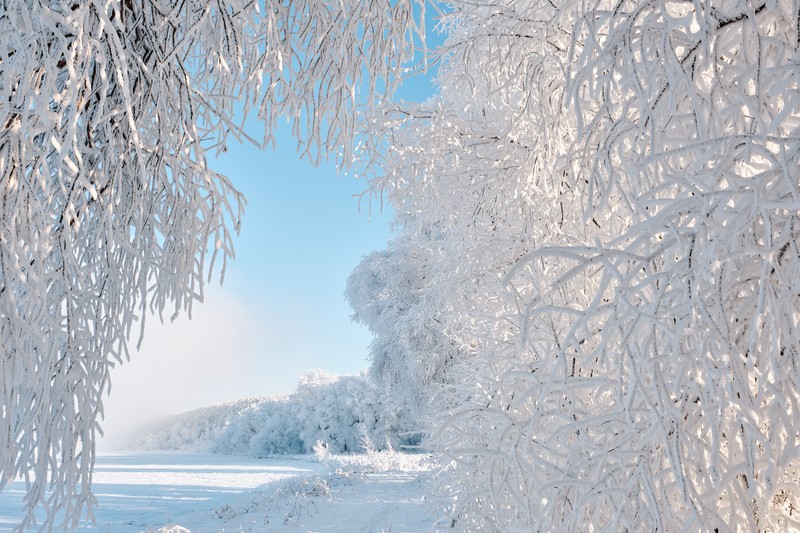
point(194, 430)
point(346, 413)
point(264, 428)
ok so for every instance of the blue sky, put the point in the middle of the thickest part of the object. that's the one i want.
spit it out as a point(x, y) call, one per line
point(281, 311)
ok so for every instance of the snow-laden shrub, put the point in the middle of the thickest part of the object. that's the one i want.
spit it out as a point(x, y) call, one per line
point(339, 411)
point(279, 432)
point(343, 412)
point(265, 422)
point(194, 430)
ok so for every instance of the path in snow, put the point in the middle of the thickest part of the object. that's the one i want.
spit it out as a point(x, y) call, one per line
point(389, 501)
point(205, 493)
point(343, 501)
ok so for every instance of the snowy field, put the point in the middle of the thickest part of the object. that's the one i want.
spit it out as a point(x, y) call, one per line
point(209, 493)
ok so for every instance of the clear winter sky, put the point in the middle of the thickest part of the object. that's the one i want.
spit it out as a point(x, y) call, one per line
point(281, 311)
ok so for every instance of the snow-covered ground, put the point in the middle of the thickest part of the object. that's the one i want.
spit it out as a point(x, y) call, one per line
point(209, 493)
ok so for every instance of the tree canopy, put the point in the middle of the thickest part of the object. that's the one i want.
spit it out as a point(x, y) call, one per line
point(607, 198)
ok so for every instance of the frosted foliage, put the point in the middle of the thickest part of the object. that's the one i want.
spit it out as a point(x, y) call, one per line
point(678, 381)
point(347, 413)
point(195, 431)
point(617, 183)
point(396, 295)
point(109, 211)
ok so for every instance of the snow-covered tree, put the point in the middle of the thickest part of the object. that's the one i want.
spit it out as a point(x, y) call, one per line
point(109, 211)
point(340, 411)
point(618, 183)
point(398, 295)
